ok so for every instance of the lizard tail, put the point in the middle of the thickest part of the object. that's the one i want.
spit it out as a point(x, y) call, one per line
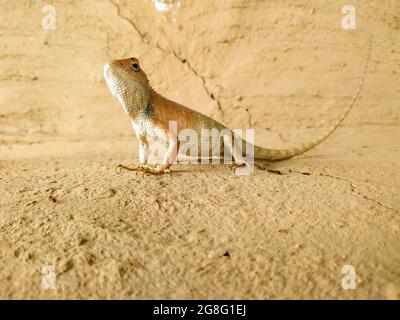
point(281, 154)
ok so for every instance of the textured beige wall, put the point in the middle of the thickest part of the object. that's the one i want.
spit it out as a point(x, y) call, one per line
point(278, 66)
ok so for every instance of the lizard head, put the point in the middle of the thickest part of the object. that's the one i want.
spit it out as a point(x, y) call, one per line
point(130, 66)
point(128, 83)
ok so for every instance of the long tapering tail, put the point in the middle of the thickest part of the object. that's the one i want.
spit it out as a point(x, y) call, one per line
point(281, 154)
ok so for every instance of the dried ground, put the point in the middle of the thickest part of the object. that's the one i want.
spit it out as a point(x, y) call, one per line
point(285, 69)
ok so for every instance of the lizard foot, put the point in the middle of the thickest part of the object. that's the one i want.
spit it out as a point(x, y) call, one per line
point(274, 171)
point(258, 165)
point(262, 166)
point(145, 169)
point(234, 166)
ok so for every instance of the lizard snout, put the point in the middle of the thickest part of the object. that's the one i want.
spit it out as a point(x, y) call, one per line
point(109, 66)
point(106, 69)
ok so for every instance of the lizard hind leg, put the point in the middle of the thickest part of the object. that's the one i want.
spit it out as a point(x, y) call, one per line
point(240, 162)
point(240, 166)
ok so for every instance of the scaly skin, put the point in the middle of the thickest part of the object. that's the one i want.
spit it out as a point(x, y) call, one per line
point(151, 115)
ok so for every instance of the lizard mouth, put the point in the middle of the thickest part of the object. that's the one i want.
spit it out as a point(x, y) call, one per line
point(107, 71)
point(111, 70)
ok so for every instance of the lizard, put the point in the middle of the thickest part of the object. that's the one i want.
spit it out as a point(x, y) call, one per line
point(151, 115)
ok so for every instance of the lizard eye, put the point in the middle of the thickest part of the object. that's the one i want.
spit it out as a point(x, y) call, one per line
point(135, 67)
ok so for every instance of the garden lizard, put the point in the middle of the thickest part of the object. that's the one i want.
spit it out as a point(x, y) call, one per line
point(152, 114)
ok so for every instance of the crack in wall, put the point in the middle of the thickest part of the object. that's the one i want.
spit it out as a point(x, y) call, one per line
point(252, 124)
point(249, 118)
point(353, 189)
point(176, 56)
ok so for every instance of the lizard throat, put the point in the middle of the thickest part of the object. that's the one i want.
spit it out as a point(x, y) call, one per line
point(130, 93)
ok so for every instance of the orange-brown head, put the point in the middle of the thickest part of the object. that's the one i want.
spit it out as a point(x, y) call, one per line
point(128, 84)
point(131, 66)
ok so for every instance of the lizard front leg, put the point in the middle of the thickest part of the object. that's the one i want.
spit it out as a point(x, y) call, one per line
point(143, 155)
point(170, 155)
point(143, 150)
point(168, 159)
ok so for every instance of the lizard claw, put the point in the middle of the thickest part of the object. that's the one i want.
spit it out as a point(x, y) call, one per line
point(143, 168)
point(275, 171)
point(119, 168)
point(234, 166)
point(258, 165)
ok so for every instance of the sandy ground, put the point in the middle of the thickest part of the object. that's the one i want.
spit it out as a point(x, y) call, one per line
point(285, 69)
